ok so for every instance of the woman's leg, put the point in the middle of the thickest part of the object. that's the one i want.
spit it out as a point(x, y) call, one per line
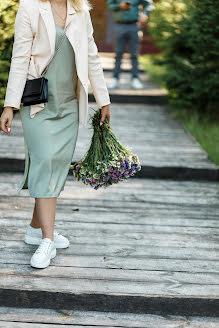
point(44, 216)
point(35, 222)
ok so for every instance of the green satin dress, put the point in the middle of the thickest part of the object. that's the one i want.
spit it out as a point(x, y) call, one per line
point(50, 137)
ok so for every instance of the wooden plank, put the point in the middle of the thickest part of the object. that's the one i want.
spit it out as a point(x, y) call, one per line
point(115, 228)
point(161, 218)
point(177, 191)
point(124, 250)
point(128, 200)
point(113, 274)
point(108, 61)
point(107, 287)
point(183, 187)
point(101, 319)
point(71, 211)
point(78, 213)
point(174, 190)
point(119, 262)
point(178, 148)
point(151, 322)
point(155, 240)
point(118, 232)
point(159, 305)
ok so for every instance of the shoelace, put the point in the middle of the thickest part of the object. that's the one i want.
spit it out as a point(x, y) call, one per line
point(42, 246)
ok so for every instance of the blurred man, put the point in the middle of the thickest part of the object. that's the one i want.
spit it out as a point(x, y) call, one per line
point(127, 23)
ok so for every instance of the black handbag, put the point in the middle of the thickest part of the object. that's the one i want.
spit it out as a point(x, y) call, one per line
point(36, 90)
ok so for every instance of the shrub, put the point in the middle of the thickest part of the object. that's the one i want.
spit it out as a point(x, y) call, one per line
point(187, 33)
point(8, 9)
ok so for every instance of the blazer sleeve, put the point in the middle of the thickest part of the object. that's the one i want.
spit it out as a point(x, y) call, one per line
point(21, 51)
point(95, 70)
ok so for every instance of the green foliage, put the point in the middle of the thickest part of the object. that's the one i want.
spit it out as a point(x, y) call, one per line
point(187, 32)
point(155, 72)
point(8, 9)
point(203, 129)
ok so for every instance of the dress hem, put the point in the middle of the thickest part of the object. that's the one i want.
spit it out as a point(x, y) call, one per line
point(44, 196)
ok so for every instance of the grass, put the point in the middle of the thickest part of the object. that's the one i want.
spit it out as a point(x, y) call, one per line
point(155, 72)
point(203, 128)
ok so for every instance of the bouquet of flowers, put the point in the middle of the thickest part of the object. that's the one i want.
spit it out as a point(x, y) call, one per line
point(107, 161)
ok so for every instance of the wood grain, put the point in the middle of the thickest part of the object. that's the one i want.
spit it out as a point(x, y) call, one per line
point(26, 318)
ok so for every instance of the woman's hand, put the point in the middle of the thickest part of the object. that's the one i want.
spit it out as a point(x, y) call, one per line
point(105, 113)
point(6, 117)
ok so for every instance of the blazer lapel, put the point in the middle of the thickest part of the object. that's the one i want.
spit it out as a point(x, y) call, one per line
point(47, 16)
point(70, 13)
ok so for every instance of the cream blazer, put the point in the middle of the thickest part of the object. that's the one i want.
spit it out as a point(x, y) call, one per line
point(34, 45)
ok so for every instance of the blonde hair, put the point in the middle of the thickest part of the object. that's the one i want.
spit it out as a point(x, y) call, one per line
point(79, 5)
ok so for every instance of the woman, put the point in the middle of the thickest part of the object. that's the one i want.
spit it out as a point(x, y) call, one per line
point(51, 129)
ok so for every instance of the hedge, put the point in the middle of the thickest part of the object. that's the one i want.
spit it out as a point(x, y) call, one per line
point(8, 10)
point(187, 32)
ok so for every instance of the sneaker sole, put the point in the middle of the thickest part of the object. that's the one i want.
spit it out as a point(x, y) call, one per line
point(46, 263)
point(36, 241)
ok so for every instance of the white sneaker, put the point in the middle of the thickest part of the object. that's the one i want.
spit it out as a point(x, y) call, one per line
point(114, 84)
point(33, 236)
point(44, 253)
point(136, 84)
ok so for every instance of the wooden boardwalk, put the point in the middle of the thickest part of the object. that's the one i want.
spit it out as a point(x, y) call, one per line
point(143, 253)
point(144, 246)
point(165, 148)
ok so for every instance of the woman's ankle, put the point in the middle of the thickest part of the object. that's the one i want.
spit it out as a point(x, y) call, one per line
point(35, 226)
point(48, 236)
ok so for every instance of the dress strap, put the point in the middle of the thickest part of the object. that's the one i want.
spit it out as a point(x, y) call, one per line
point(56, 50)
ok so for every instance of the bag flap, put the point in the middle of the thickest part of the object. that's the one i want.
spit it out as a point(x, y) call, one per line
point(33, 87)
